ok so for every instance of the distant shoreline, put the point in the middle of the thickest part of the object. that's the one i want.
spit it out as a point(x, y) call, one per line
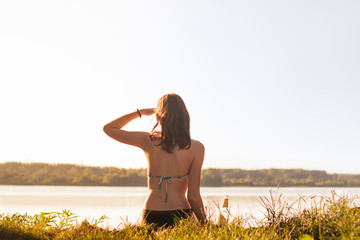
point(44, 174)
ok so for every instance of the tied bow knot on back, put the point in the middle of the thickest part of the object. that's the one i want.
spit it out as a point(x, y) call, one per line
point(167, 180)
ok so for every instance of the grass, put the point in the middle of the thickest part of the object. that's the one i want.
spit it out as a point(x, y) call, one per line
point(311, 217)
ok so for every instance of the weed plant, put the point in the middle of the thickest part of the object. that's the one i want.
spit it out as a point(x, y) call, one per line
point(311, 217)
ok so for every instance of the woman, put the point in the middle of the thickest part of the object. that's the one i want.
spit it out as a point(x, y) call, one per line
point(174, 161)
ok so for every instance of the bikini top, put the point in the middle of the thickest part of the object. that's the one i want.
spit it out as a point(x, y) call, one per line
point(167, 180)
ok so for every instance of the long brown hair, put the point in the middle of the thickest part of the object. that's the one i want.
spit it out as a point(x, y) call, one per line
point(174, 119)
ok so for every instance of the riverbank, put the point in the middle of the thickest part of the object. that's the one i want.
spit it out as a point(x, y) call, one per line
point(335, 217)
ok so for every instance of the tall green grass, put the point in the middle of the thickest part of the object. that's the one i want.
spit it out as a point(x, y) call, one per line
point(311, 217)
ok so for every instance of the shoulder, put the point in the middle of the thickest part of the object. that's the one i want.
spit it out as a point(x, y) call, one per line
point(197, 143)
point(145, 139)
point(197, 146)
point(197, 158)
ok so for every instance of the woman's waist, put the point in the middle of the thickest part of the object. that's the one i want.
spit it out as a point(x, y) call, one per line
point(174, 201)
point(156, 194)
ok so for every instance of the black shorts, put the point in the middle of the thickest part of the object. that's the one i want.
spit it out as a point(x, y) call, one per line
point(165, 218)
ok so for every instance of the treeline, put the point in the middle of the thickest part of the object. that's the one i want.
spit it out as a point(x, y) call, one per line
point(14, 173)
point(273, 177)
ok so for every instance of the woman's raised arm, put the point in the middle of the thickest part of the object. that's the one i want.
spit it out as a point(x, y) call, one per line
point(114, 129)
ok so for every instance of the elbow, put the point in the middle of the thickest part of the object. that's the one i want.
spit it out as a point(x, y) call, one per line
point(106, 128)
point(194, 198)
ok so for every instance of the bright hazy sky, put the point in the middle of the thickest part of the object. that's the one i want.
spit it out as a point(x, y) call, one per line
point(268, 84)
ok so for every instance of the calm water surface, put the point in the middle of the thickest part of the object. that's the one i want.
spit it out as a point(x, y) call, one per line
point(121, 203)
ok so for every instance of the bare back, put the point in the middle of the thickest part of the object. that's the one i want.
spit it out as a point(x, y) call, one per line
point(175, 164)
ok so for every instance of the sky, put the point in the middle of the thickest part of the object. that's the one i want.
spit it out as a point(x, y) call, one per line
point(268, 84)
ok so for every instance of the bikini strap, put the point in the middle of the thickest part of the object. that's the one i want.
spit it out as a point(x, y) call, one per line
point(167, 180)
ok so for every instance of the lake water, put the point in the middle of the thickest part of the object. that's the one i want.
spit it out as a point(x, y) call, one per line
point(119, 203)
